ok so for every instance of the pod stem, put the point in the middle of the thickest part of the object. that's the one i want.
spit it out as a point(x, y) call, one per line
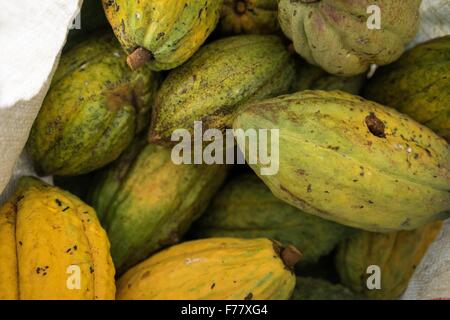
point(290, 256)
point(138, 58)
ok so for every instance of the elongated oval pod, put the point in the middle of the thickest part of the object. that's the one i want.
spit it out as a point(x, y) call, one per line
point(147, 202)
point(219, 79)
point(94, 108)
point(213, 269)
point(353, 161)
point(52, 247)
point(162, 33)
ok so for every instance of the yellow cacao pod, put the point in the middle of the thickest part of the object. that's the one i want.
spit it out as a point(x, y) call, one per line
point(164, 33)
point(213, 269)
point(353, 161)
point(50, 241)
point(397, 254)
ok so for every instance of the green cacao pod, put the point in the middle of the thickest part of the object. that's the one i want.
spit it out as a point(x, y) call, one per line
point(338, 34)
point(164, 33)
point(319, 289)
point(397, 254)
point(353, 161)
point(93, 109)
point(418, 85)
point(249, 17)
point(146, 202)
point(310, 77)
point(218, 80)
point(245, 208)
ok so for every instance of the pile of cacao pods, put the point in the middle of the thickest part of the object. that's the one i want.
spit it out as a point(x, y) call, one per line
point(363, 162)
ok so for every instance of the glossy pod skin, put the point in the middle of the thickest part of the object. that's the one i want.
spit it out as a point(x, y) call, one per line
point(162, 33)
point(397, 254)
point(246, 208)
point(418, 84)
point(93, 109)
point(249, 17)
point(146, 202)
point(47, 235)
point(353, 161)
point(342, 38)
point(213, 269)
point(220, 78)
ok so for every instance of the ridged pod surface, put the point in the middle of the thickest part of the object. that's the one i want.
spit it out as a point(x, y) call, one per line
point(353, 161)
point(343, 38)
point(92, 111)
point(146, 202)
point(249, 17)
point(397, 254)
point(418, 84)
point(164, 33)
point(211, 269)
point(318, 289)
point(221, 77)
point(48, 237)
point(245, 208)
point(310, 77)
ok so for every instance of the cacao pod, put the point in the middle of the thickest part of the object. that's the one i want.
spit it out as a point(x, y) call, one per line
point(338, 34)
point(245, 208)
point(164, 33)
point(397, 254)
point(219, 78)
point(145, 201)
point(310, 77)
point(213, 269)
point(92, 111)
point(353, 161)
point(46, 234)
point(249, 17)
point(318, 289)
point(418, 85)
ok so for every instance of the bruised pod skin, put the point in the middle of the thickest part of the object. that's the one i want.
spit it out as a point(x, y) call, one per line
point(146, 202)
point(213, 269)
point(353, 161)
point(249, 17)
point(310, 77)
point(397, 254)
point(338, 34)
point(164, 33)
point(92, 111)
point(418, 84)
point(218, 80)
point(245, 208)
point(48, 237)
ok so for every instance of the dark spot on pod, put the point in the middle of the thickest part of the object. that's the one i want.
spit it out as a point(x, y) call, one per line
point(375, 125)
point(58, 202)
point(65, 209)
point(213, 285)
point(309, 189)
point(249, 296)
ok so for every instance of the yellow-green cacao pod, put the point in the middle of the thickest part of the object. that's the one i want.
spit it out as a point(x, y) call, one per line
point(213, 269)
point(249, 17)
point(245, 208)
point(221, 77)
point(418, 84)
point(94, 108)
point(318, 289)
point(353, 161)
point(342, 38)
point(310, 77)
point(163, 33)
point(146, 202)
point(397, 254)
